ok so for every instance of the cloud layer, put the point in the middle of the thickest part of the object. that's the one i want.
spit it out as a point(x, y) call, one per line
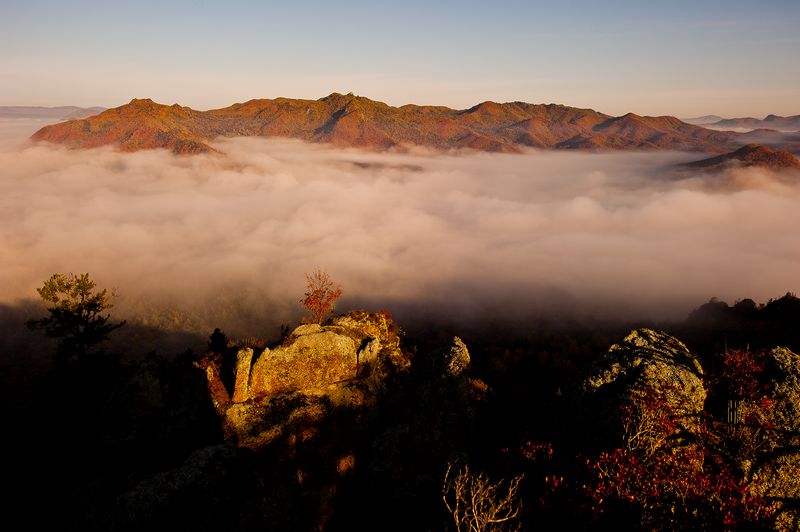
point(464, 234)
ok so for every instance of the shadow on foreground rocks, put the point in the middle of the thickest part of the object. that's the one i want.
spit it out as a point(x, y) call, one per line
point(335, 427)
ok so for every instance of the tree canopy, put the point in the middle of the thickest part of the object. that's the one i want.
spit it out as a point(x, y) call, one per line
point(77, 313)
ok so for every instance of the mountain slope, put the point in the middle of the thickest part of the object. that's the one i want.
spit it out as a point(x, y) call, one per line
point(348, 120)
point(751, 155)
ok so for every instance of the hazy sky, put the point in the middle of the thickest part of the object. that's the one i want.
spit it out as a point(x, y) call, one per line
point(683, 58)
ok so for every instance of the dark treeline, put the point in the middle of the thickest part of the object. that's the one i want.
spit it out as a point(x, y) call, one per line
point(79, 437)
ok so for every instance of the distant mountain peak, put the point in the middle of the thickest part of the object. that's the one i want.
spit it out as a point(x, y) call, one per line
point(66, 112)
point(775, 122)
point(703, 120)
point(338, 96)
point(142, 102)
point(488, 104)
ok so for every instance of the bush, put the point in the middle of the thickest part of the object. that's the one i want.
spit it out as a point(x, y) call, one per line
point(321, 295)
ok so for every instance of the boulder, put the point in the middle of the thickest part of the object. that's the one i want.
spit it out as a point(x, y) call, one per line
point(783, 367)
point(309, 360)
point(454, 362)
point(774, 440)
point(447, 398)
point(314, 357)
point(646, 389)
point(772, 418)
point(777, 478)
point(241, 387)
point(344, 364)
point(308, 405)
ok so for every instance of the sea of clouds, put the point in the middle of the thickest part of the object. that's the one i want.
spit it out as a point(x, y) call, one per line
point(468, 234)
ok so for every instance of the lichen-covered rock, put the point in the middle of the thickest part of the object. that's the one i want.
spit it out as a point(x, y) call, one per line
point(776, 477)
point(363, 325)
point(210, 365)
point(310, 360)
point(344, 365)
point(648, 357)
point(771, 436)
point(312, 400)
point(308, 328)
point(779, 475)
point(446, 415)
point(455, 362)
point(656, 378)
point(776, 408)
point(313, 356)
point(784, 367)
point(340, 403)
point(241, 387)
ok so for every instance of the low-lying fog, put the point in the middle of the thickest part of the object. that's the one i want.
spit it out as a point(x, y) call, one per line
point(227, 239)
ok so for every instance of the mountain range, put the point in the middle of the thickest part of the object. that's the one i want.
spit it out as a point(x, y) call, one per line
point(355, 121)
point(774, 122)
point(702, 120)
point(65, 112)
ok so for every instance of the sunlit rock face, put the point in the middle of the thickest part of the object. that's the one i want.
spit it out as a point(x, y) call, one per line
point(311, 359)
point(316, 357)
point(343, 364)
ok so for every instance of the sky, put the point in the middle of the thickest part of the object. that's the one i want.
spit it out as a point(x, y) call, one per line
point(682, 58)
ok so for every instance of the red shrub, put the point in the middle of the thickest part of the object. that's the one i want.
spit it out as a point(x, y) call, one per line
point(321, 295)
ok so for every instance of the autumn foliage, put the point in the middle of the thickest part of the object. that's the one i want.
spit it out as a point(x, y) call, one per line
point(321, 295)
point(742, 371)
point(660, 479)
point(671, 489)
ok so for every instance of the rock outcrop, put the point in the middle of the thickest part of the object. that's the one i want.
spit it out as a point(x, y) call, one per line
point(312, 358)
point(330, 404)
point(454, 362)
point(650, 374)
point(334, 410)
point(783, 368)
point(344, 364)
point(448, 396)
point(771, 430)
point(241, 387)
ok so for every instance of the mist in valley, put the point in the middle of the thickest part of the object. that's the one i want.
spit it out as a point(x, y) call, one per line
point(224, 240)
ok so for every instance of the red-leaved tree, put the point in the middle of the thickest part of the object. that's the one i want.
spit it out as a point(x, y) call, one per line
point(321, 295)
